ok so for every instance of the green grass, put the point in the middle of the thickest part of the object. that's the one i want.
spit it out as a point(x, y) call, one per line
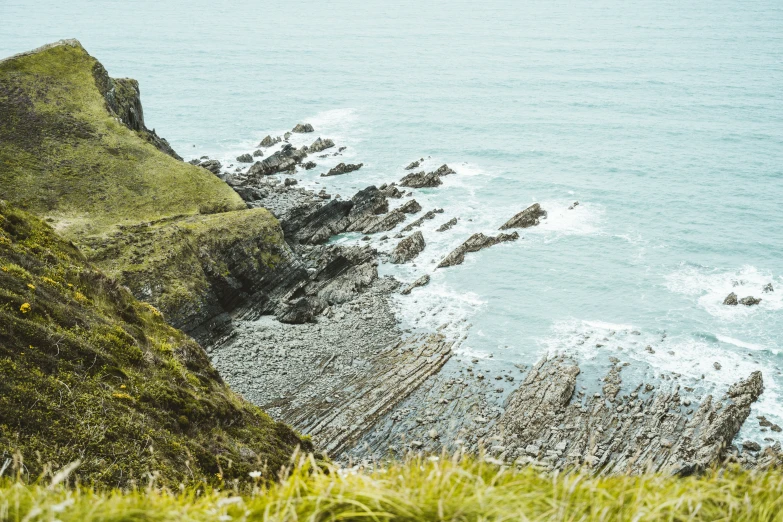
point(419, 489)
point(89, 373)
point(65, 156)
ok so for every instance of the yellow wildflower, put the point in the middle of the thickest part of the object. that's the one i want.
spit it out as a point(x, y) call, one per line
point(30, 286)
point(25, 308)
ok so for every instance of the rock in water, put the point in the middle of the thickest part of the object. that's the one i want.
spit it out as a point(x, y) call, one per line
point(319, 145)
point(731, 299)
point(258, 153)
point(421, 180)
point(768, 288)
point(412, 166)
point(749, 301)
point(475, 243)
point(444, 170)
point(447, 225)
point(343, 168)
point(527, 218)
point(410, 207)
point(268, 141)
point(309, 165)
point(301, 128)
point(213, 166)
point(422, 219)
point(408, 248)
point(422, 281)
point(285, 159)
point(245, 158)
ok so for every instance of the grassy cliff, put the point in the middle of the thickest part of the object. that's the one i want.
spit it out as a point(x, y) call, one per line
point(74, 150)
point(89, 373)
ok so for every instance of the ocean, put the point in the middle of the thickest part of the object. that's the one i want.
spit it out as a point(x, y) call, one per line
point(664, 120)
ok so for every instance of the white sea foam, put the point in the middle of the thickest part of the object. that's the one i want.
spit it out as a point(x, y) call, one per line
point(711, 286)
point(583, 219)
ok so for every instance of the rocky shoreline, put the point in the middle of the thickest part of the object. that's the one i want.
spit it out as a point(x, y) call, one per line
point(335, 363)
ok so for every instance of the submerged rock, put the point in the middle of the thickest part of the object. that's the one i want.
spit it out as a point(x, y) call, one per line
point(245, 158)
point(731, 300)
point(422, 281)
point(750, 301)
point(320, 144)
point(527, 218)
point(475, 243)
point(429, 215)
point(258, 153)
point(421, 180)
point(768, 288)
point(302, 128)
point(309, 165)
point(447, 225)
point(408, 248)
point(413, 165)
point(343, 168)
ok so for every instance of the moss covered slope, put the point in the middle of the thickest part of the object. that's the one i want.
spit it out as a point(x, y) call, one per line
point(90, 373)
point(73, 148)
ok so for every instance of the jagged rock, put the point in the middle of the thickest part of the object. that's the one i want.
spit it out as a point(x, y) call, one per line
point(751, 445)
point(283, 160)
point(731, 300)
point(750, 301)
point(319, 145)
point(268, 141)
point(286, 136)
point(634, 436)
point(288, 182)
point(343, 168)
point(410, 207)
point(421, 180)
point(716, 365)
point(385, 223)
point(391, 191)
point(194, 161)
point(258, 153)
point(301, 311)
point(408, 248)
point(527, 218)
point(412, 165)
point(245, 158)
point(302, 128)
point(309, 165)
point(429, 215)
point(768, 288)
point(422, 281)
point(447, 225)
point(444, 170)
point(315, 224)
point(213, 166)
point(475, 243)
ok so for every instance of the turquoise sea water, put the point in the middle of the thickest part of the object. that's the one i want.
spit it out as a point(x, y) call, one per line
point(663, 119)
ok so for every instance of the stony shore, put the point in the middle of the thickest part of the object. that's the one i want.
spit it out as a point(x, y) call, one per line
point(334, 362)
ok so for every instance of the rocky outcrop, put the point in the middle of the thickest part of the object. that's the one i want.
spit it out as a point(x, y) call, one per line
point(408, 248)
point(211, 165)
point(268, 141)
point(731, 300)
point(413, 165)
point(422, 281)
point(749, 301)
point(768, 288)
point(258, 153)
point(410, 207)
point(639, 432)
point(319, 145)
point(343, 168)
point(527, 218)
point(309, 165)
point(475, 243)
point(303, 128)
point(421, 180)
point(444, 170)
point(447, 225)
point(245, 158)
point(283, 160)
point(429, 215)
